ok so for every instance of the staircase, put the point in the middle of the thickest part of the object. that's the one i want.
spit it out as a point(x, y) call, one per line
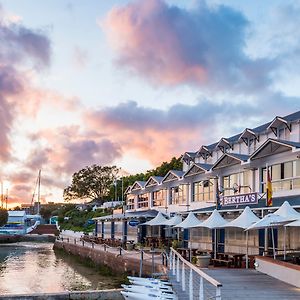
point(45, 229)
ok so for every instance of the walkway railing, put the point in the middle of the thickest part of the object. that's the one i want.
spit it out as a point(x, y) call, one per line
point(151, 256)
point(190, 282)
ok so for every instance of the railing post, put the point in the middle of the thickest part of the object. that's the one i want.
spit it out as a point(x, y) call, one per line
point(173, 260)
point(153, 267)
point(183, 277)
point(120, 250)
point(218, 293)
point(177, 270)
point(191, 285)
point(83, 243)
point(93, 245)
point(141, 263)
point(75, 241)
point(104, 246)
point(170, 260)
point(201, 289)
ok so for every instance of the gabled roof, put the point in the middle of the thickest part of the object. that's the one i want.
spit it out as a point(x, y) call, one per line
point(197, 168)
point(258, 130)
point(173, 175)
point(277, 122)
point(248, 134)
point(230, 159)
point(128, 190)
point(153, 180)
point(205, 151)
point(273, 146)
point(138, 185)
point(223, 144)
point(188, 156)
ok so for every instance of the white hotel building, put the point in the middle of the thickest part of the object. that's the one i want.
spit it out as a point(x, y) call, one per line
point(230, 167)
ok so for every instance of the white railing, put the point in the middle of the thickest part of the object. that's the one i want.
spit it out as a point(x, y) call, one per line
point(191, 281)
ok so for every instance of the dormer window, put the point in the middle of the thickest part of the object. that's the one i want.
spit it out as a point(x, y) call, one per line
point(278, 124)
point(224, 145)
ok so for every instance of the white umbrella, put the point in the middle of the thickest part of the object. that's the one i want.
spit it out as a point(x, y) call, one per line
point(189, 222)
point(177, 219)
point(214, 221)
point(244, 220)
point(288, 212)
point(293, 224)
point(270, 221)
point(157, 221)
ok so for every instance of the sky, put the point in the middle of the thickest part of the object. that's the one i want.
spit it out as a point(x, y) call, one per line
point(134, 83)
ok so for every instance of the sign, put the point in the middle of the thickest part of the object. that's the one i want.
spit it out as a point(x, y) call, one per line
point(133, 223)
point(235, 200)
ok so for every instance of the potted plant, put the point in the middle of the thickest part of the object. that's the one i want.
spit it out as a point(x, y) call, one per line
point(203, 260)
point(194, 260)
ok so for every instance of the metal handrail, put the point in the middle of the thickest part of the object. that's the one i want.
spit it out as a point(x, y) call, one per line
point(179, 273)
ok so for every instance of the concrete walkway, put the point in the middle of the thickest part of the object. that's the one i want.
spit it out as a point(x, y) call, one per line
point(241, 284)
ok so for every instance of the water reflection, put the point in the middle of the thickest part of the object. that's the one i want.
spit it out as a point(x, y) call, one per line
point(35, 267)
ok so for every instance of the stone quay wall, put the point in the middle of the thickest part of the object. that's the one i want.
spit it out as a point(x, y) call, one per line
point(124, 264)
point(90, 295)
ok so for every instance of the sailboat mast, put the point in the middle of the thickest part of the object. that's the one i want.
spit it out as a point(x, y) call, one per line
point(39, 193)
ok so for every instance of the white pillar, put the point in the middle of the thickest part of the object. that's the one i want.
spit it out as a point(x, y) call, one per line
point(191, 285)
point(183, 277)
point(177, 270)
point(201, 289)
point(151, 200)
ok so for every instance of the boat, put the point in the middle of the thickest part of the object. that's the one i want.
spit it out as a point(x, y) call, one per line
point(149, 296)
point(145, 281)
point(147, 288)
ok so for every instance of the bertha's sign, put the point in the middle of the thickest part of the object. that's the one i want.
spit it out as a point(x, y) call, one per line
point(236, 200)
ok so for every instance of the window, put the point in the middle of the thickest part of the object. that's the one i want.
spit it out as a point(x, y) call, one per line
point(285, 176)
point(130, 202)
point(178, 194)
point(203, 191)
point(241, 180)
point(159, 198)
point(143, 200)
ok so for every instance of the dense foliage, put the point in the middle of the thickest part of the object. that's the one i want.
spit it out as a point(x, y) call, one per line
point(76, 220)
point(3, 216)
point(92, 183)
point(162, 170)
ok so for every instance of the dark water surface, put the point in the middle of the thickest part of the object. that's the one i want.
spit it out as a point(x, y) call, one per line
point(35, 267)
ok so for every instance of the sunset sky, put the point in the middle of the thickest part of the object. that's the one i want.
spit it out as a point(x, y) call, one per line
point(133, 83)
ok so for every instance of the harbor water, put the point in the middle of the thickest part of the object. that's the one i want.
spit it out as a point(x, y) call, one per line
point(28, 267)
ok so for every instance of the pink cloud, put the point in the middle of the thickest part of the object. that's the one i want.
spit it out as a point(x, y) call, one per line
point(168, 45)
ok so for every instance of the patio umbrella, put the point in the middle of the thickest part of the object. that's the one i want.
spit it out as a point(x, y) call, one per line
point(214, 221)
point(159, 220)
point(244, 220)
point(173, 222)
point(270, 221)
point(288, 212)
point(189, 222)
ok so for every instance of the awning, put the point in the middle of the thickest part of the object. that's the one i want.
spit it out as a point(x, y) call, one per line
point(157, 221)
point(244, 220)
point(268, 221)
point(288, 212)
point(190, 221)
point(174, 220)
point(215, 220)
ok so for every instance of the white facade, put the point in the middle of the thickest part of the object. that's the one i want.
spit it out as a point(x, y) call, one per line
point(234, 166)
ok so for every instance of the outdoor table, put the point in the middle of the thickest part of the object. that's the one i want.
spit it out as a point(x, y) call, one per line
point(185, 252)
point(236, 258)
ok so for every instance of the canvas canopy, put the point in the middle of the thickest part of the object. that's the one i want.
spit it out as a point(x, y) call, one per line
point(190, 221)
point(244, 220)
point(287, 211)
point(174, 221)
point(215, 220)
point(157, 221)
point(268, 221)
point(294, 224)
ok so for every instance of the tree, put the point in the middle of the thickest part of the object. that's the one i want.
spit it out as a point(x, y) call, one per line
point(92, 182)
point(3, 216)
